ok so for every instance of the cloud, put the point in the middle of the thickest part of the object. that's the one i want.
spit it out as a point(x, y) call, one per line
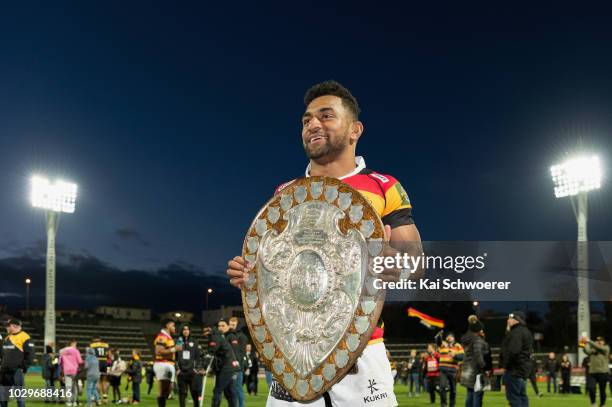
point(84, 281)
point(131, 234)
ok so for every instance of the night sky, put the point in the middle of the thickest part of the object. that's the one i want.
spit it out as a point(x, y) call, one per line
point(177, 121)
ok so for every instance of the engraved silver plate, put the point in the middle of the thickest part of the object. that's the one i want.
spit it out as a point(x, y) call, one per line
point(313, 253)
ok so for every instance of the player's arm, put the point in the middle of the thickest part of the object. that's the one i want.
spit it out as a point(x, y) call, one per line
point(163, 350)
point(401, 232)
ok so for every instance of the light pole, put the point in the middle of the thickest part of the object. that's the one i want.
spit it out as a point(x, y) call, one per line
point(575, 178)
point(28, 282)
point(54, 198)
point(208, 292)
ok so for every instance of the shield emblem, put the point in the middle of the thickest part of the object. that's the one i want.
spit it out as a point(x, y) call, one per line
point(306, 302)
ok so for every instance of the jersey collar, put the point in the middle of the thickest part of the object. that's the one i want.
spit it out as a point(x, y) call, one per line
point(359, 166)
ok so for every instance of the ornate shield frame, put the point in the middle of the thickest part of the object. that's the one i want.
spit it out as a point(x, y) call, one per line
point(301, 283)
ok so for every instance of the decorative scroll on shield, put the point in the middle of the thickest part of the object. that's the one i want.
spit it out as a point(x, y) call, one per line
point(309, 301)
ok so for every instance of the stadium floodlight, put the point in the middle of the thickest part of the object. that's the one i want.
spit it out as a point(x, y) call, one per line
point(59, 196)
point(54, 197)
point(576, 175)
point(575, 178)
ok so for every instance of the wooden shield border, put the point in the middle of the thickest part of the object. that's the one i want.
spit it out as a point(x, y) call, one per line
point(369, 307)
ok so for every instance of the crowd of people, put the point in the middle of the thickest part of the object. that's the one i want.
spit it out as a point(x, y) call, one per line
point(470, 363)
point(102, 375)
point(181, 363)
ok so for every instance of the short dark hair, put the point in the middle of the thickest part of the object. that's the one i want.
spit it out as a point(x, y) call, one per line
point(333, 88)
point(166, 321)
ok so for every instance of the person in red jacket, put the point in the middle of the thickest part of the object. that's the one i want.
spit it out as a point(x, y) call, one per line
point(432, 367)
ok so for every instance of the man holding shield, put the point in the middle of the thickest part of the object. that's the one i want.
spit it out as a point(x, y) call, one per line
point(330, 132)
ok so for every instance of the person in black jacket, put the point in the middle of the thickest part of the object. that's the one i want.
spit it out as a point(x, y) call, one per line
point(566, 374)
point(474, 364)
point(515, 355)
point(134, 372)
point(251, 369)
point(238, 341)
point(17, 352)
point(532, 376)
point(187, 373)
point(225, 365)
point(50, 372)
point(552, 367)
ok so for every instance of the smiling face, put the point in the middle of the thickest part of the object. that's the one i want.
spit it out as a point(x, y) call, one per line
point(328, 129)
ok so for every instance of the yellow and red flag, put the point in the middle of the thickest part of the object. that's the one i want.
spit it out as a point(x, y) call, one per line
point(426, 320)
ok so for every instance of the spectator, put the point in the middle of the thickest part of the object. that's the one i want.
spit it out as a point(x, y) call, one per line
point(393, 364)
point(69, 361)
point(423, 371)
point(515, 355)
point(474, 365)
point(134, 372)
point(187, 359)
point(587, 377)
point(117, 369)
point(451, 353)
point(533, 370)
point(599, 371)
point(432, 363)
point(150, 374)
point(414, 373)
point(403, 371)
point(552, 367)
point(238, 341)
point(251, 370)
point(50, 373)
point(566, 374)
point(92, 367)
point(225, 365)
point(16, 354)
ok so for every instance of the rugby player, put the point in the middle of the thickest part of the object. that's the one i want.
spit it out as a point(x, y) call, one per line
point(330, 132)
point(165, 352)
point(101, 350)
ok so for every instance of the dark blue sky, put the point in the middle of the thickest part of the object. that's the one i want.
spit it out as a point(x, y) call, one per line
point(177, 121)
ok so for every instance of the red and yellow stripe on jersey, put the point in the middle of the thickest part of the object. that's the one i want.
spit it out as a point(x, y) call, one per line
point(165, 340)
point(384, 193)
point(448, 360)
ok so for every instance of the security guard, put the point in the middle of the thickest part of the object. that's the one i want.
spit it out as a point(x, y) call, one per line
point(17, 354)
point(188, 362)
point(225, 365)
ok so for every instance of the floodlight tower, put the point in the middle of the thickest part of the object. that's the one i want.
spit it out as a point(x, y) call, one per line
point(575, 178)
point(54, 198)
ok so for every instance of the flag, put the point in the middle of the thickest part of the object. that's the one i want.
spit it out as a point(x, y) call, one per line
point(425, 319)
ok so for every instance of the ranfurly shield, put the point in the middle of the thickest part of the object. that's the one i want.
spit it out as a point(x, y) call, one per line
point(309, 301)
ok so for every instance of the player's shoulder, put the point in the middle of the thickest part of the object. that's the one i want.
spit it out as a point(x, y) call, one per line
point(384, 180)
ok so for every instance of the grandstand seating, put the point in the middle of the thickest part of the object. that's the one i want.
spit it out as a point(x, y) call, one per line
point(124, 338)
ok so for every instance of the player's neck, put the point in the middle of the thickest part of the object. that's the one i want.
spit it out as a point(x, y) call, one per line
point(339, 167)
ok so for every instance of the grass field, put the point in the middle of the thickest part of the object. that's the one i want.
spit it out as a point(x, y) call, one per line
point(493, 399)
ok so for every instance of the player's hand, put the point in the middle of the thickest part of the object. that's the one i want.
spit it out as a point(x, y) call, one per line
point(389, 274)
point(237, 269)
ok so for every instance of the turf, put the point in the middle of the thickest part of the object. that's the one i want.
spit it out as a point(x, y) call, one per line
point(492, 399)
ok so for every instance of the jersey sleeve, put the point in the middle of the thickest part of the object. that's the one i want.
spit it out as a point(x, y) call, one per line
point(398, 209)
